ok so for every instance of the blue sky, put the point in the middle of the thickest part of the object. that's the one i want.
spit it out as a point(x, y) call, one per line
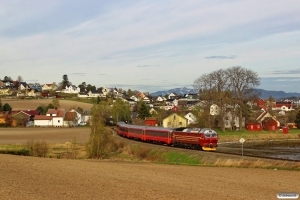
point(149, 45)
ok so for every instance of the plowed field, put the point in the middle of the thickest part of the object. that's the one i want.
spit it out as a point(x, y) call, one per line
point(34, 103)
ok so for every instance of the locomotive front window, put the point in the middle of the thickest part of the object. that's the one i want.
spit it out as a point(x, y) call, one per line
point(207, 135)
point(214, 135)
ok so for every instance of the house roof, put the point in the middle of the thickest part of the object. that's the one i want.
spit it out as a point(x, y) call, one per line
point(52, 111)
point(58, 112)
point(42, 117)
point(96, 92)
point(262, 115)
point(70, 116)
point(27, 112)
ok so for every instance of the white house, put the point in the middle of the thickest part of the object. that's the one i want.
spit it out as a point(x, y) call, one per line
point(172, 96)
point(23, 86)
point(96, 93)
point(53, 117)
point(51, 86)
point(232, 120)
point(160, 99)
point(146, 99)
point(82, 95)
point(192, 119)
point(105, 90)
point(172, 102)
point(130, 101)
point(71, 89)
point(134, 98)
point(86, 117)
point(43, 120)
point(115, 91)
point(214, 109)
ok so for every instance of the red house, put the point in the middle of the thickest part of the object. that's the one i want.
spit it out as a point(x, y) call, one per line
point(254, 127)
point(270, 124)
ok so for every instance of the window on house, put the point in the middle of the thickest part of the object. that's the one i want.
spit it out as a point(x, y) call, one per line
point(58, 121)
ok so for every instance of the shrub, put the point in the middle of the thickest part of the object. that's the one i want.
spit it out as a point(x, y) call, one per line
point(37, 148)
point(21, 152)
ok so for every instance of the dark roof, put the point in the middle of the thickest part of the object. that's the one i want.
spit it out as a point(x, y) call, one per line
point(27, 112)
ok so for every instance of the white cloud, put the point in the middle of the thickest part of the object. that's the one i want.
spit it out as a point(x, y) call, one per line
point(174, 36)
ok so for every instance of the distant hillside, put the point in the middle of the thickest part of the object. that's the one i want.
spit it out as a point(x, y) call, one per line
point(179, 91)
point(264, 93)
point(277, 94)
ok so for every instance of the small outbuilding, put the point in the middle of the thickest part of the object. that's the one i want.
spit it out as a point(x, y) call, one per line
point(151, 121)
point(254, 127)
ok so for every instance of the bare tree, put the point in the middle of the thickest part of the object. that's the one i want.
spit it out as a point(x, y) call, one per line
point(19, 80)
point(55, 103)
point(204, 85)
point(213, 88)
point(242, 83)
point(98, 140)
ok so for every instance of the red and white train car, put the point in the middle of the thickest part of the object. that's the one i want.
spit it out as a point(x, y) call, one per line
point(204, 138)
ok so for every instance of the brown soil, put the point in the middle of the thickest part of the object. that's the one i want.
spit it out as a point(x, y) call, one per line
point(32, 104)
point(45, 178)
point(20, 136)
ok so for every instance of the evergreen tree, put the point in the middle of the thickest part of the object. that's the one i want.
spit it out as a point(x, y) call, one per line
point(41, 109)
point(50, 106)
point(6, 107)
point(65, 82)
point(143, 111)
point(297, 120)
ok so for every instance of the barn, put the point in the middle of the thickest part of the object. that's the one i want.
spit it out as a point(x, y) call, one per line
point(270, 124)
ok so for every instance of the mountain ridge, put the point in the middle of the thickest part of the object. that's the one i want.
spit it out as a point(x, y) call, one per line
point(264, 93)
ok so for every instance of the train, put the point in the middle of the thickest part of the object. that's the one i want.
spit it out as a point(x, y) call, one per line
point(195, 138)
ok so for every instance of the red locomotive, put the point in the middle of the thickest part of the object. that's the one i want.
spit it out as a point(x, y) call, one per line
point(195, 138)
